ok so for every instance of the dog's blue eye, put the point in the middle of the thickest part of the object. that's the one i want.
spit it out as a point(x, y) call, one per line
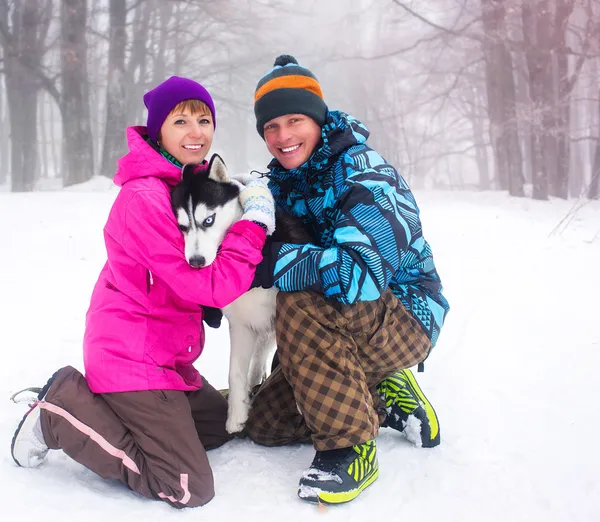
point(208, 221)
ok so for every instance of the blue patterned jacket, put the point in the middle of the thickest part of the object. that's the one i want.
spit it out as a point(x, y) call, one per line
point(366, 226)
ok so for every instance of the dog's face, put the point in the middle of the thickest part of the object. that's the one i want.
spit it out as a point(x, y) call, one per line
point(205, 205)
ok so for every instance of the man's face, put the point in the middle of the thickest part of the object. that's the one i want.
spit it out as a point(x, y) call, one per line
point(292, 138)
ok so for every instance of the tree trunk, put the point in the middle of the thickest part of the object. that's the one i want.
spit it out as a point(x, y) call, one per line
point(164, 16)
point(563, 151)
point(501, 94)
point(22, 56)
point(577, 169)
point(176, 39)
point(43, 152)
point(594, 189)
point(593, 112)
point(97, 66)
point(522, 88)
point(54, 142)
point(514, 160)
point(477, 118)
point(4, 135)
point(78, 151)
point(114, 135)
point(536, 26)
point(564, 87)
point(136, 72)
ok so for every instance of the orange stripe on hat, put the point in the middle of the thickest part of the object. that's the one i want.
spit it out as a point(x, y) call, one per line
point(292, 81)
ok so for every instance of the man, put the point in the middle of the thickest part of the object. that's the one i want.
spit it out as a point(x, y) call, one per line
point(356, 308)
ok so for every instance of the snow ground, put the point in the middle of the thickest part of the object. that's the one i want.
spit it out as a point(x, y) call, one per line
point(513, 377)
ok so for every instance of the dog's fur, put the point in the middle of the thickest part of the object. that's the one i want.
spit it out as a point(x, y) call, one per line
point(206, 204)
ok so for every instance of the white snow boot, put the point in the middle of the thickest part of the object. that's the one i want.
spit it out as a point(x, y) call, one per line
point(28, 448)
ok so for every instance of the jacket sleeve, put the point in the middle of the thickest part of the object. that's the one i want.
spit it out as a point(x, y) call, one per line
point(150, 237)
point(376, 219)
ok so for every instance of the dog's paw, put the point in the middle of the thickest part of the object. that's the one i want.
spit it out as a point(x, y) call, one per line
point(236, 419)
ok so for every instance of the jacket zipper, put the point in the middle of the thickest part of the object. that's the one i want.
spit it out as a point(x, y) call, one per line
point(149, 281)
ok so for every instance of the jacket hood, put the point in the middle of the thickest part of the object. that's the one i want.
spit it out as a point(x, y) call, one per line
point(143, 161)
point(340, 132)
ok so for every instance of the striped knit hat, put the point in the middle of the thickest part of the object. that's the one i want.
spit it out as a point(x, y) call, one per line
point(288, 88)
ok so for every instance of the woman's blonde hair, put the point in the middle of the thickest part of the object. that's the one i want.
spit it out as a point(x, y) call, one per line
point(194, 106)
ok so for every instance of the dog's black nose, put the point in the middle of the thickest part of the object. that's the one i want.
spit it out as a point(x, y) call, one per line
point(197, 261)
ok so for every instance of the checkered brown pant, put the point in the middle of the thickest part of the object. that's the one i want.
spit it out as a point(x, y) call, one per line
point(331, 358)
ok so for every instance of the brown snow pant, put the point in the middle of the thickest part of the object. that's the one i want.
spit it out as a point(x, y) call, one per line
point(154, 441)
point(331, 357)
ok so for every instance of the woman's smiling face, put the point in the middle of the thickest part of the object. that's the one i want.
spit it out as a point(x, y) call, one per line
point(186, 134)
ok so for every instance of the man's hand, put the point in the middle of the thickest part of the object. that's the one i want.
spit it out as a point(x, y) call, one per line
point(265, 270)
point(212, 316)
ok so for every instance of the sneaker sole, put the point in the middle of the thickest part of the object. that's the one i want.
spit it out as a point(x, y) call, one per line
point(434, 426)
point(41, 395)
point(330, 498)
point(24, 420)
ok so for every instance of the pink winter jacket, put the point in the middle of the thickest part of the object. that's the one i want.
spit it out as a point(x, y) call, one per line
point(144, 326)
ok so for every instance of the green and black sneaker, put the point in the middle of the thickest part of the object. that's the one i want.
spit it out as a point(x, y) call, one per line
point(340, 475)
point(408, 410)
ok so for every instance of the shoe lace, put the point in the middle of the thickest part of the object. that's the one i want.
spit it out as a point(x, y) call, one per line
point(30, 400)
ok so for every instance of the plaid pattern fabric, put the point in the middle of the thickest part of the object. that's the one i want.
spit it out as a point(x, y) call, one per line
point(331, 358)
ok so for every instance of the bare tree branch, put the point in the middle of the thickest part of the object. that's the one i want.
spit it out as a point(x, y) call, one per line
point(453, 32)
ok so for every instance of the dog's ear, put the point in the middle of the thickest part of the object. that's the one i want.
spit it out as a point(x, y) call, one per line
point(187, 170)
point(217, 170)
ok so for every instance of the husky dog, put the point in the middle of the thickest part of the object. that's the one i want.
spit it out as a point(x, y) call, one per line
point(205, 205)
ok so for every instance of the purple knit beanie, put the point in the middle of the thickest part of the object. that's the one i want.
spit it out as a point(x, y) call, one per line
point(161, 100)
